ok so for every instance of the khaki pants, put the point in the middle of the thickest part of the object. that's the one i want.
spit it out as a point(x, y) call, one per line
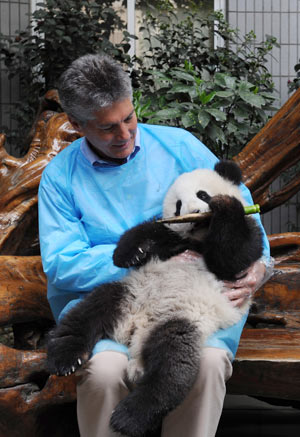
point(102, 387)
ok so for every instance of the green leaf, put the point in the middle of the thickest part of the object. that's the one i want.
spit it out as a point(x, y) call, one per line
point(180, 89)
point(159, 74)
point(169, 113)
point(230, 82)
point(216, 133)
point(203, 118)
point(225, 94)
point(252, 99)
point(189, 119)
point(243, 128)
point(193, 93)
point(269, 96)
point(217, 114)
point(232, 128)
point(206, 98)
point(67, 38)
point(245, 86)
point(240, 111)
point(220, 79)
point(183, 75)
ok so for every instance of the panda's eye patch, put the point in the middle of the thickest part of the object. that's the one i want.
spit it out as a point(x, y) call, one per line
point(178, 207)
point(202, 195)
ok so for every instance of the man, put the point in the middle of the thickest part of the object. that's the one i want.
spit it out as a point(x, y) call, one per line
point(109, 180)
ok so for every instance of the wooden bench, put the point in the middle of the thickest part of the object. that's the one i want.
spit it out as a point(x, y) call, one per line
point(34, 404)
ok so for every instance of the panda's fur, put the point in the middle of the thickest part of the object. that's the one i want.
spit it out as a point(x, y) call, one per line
point(165, 309)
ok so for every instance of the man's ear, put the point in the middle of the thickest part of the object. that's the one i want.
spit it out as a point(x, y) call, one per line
point(75, 124)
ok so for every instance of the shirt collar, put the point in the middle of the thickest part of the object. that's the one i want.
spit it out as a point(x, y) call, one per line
point(94, 159)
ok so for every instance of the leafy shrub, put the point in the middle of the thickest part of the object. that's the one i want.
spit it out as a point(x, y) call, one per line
point(295, 83)
point(59, 32)
point(222, 94)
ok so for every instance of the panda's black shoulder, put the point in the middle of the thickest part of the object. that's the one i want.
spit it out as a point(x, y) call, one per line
point(229, 170)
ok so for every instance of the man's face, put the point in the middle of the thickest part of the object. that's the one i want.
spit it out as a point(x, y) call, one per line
point(112, 131)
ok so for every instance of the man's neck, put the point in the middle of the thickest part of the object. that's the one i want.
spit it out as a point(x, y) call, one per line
point(103, 157)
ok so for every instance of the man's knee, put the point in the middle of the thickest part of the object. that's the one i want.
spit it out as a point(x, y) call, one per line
point(104, 370)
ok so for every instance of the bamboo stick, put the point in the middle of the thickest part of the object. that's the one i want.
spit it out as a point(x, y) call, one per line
point(204, 217)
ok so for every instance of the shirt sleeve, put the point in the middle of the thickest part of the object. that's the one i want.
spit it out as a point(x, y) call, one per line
point(69, 260)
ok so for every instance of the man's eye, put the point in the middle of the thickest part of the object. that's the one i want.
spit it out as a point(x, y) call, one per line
point(128, 119)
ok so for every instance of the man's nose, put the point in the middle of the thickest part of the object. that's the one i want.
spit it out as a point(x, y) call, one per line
point(123, 132)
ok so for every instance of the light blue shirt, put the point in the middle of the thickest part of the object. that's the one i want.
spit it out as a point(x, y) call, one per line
point(84, 209)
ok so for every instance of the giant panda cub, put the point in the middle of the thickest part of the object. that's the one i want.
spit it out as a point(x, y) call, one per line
point(166, 307)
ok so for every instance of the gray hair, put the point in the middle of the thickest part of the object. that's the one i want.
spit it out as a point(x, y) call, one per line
point(90, 83)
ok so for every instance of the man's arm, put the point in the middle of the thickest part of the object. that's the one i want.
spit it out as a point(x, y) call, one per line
point(69, 260)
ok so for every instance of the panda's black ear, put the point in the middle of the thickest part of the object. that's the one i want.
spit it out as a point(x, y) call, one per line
point(229, 170)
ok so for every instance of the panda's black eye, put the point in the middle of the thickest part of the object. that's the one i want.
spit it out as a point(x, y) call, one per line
point(178, 207)
point(202, 195)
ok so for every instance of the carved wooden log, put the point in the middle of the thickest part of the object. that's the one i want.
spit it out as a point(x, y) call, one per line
point(23, 294)
point(29, 410)
point(285, 247)
point(273, 150)
point(19, 180)
point(277, 303)
point(267, 363)
point(20, 367)
point(31, 402)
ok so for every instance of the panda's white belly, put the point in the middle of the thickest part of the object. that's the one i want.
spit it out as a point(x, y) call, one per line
point(174, 289)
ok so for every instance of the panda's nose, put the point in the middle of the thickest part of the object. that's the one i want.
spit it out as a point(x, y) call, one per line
point(192, 207)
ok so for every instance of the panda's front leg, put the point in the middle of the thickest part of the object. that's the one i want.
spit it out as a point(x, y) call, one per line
point(71, 342)
point(234, 241)
point(171, 357)
point(145, 241)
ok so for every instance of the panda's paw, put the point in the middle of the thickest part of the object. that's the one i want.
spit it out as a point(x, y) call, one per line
point(65, 355)
point(134, 418)
point(133, 256)
point(227, 206)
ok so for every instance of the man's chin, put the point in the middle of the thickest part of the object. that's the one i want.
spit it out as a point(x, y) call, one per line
point(121, 152)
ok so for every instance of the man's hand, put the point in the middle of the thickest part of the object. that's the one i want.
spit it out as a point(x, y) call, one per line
point(246, 284)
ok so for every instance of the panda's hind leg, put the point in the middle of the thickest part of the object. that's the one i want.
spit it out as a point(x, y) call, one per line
point(171, 357)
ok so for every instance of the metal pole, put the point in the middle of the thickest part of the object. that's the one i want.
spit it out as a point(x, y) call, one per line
point(131, 24)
